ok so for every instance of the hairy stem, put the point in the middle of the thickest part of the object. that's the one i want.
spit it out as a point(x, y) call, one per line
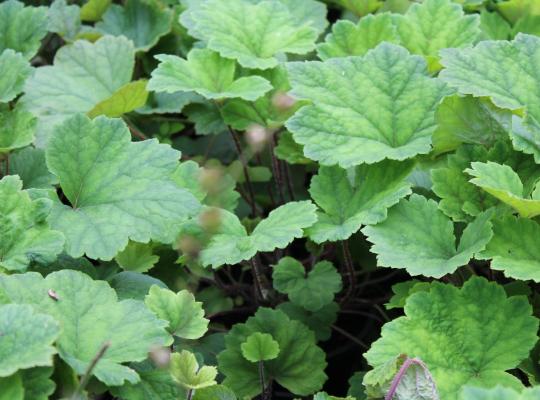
point(349, 268)
point(261, 380)
point(350, 337)
point(276, 170)
point(88, 373)
point(190, 394)
point(258, 279)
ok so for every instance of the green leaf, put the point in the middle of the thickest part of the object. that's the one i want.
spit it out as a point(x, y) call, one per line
point(403, 290)
point(359, 7)
point(120, 190)
point(37, 383)
point(349, 39)
point(502, 182)
point(513, 248)
point(485, 70)
point(17, 128)
point(26, 339)
point(80, 78)
point(25, 237)
point(185, 370)
point(129, 97)
point(141, 21)
point(29, 164)
point(311, 290)
point(290, 151)
point(494, 26)
point(14, 70)
point(417, 236)
point(299, 366)
point(342, 120)
point(232, 244)
point(92, 10)
point(12, 388)
point(260, 347)
point(499, 393)
point(90, 315)
point(205, 72)
point(512, 10)
point(361, 196)
point(137, 257)
point(216, 392)
point(168, 103)
point(133, 285)
point(470, 335)
point(22, 28)
point(272, 30)
point(433, 25)
point(319, 321)
point(64, 19)
point(185, 315)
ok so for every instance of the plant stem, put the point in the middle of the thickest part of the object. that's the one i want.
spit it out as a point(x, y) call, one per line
point(349, 267)
point(258, 279)
point(350, 337)
point(190, 394)
point(88, 373)
point(261, 379)
point(276, 170)
point(243, 160)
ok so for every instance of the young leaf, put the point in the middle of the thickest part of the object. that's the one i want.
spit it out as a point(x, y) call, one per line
point(502, 182)
point(216, 392)
point(348, 202)
point(185, 370)
point(513, 248)
point(120, 190)
point(141, 21)
point(90, 315)
point(343, 120)
point(260, 347)
point(93, 10)
point(205, 72)
point(232, 244)
point(465, 336)
point(349, 39)
point(311, 290)
point(14, 70)
point(417, 236)
point(485, 71)
point(272, 30)
point(299, 366)
point(26, 339)
point(359, 7)
point(499, 393)
point(185, 315)
point(17, 128)
point(129, 97)
point(137, 257)
point(25, 237)
point(22, 28)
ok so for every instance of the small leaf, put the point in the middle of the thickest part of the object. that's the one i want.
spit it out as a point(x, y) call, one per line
point(64, 19)
point(29, 164)
point(260, 347)
point(216, 392)
point(93, 10)
point(137, 257)
point(127, 98)
point(14, 70)
point(185, 370)
point(17, 128)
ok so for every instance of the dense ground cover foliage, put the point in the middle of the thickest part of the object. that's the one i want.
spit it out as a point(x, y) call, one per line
point(272, 199)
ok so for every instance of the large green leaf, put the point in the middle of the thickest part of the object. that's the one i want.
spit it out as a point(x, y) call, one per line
point(350, 199)
point(64, 19)
point(348, 127)
point(141, 21)
point(499, 393)
point(299, 366)
point(207, 73)
point(272, 30)
point(26, 339)
point(417, 236)
point(14, 70)
point(90, 315)
point(83, 75)
point(22, 28)
point(117, 190)
point(486, 69)
point(232, 244)
point(465, 336)
point(25, 237)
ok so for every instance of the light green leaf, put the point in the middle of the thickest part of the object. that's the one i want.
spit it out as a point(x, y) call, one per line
point(311, 290)
point(499, 393)
point(290, 151)
point(469, 335)
point(92, 10)
point(22, 28)
point(216, 392)
point(14, 70)
point(513, 248)
point(512, 10)
point(403, 290)
point(141, 21)
point(90, 315)
point(128, 98)
point(185, 315)
point(168, 103)
point(25, 237)
point(205, 72)
point(17, 128)
point(417, 236)
point(485, 70)
point(259, 347)
point(349, 39)
point(64, 19)
point(299, 366)
point(378, 120)
point(527, 24)
point(120, 190)
point(350, 199)
point(26, 339)
point(29, 164)
point(433, 25)
point(271, 31)
point(185, 370)
point(232, 244)
point(494, 26)
point(137, 257)
point(359, 7)
point(502, 182)
point(83, 75)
